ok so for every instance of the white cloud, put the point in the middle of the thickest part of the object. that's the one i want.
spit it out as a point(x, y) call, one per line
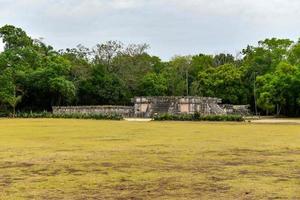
point(170, 26)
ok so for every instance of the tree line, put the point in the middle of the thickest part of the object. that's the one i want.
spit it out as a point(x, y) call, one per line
point(35, 76)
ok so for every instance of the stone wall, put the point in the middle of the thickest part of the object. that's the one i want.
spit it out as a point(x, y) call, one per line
point(149, 106)
point(236, 109)
point(125, 111)
point(146, 107)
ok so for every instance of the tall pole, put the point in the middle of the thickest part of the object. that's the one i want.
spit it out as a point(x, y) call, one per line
point(187, 82)
point(254, 93)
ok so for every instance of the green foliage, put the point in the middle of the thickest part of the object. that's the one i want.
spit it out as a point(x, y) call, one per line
point(9, 92)
point(177, 74)
point(279, 90)
point(34, 76)
point(14, 37)
point(153, 85)
point(62, 88)
point(197, 117)
point(222, 59)
point(102, 87)
point(224, 82)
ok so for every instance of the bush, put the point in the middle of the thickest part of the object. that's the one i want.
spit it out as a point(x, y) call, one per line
point(198, 117)
point(96, 116)
point(4, 114)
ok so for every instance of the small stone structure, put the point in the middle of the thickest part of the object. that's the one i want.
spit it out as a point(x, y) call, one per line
point(150, 106)
point(147, 107)
point(125, 111)
point(236, 109)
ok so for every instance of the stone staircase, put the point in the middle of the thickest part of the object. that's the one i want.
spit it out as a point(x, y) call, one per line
point(161, 107)
point(215, 109)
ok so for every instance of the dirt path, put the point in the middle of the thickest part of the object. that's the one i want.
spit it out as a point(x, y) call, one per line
point(137, 119)
point(277, 121)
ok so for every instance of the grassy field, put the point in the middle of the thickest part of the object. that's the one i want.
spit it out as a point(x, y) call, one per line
point(85, 159)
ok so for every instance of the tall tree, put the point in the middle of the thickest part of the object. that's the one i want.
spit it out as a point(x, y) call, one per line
point(10, 93)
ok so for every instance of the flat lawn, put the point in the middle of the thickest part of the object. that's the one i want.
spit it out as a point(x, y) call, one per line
point(86, 159)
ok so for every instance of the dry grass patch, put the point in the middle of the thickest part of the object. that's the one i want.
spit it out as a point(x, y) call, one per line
point(86, 159)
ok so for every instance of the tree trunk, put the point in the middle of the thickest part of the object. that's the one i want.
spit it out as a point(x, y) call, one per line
point(14, 111)
point(278, 108)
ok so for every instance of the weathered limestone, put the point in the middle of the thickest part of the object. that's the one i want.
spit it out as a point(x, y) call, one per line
point(146, 107)
point(236, 109)
point(149, 106)
point(125, 111)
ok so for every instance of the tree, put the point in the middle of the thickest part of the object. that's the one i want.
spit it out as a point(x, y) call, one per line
point(224, 82)
point(102, 88)
point(62, 89)
point(276, 90)
point(14, 37)
point(200, 63)
point(222, 59)
point(105, 53)
point(9, 91)
point(153, 85)
point(34, 76)
point(178, 75)
point(132, 68)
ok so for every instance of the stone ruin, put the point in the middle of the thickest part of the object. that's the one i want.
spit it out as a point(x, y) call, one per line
point(147, 107)
point(150, 106)
point(243, 110)
point(125, 111)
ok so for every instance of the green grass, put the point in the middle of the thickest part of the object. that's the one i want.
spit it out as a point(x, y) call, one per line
point(87, 159)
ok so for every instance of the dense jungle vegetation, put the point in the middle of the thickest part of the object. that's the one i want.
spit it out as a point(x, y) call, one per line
point(35, 76)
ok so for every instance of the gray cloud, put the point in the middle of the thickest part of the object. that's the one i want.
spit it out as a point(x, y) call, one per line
point(169, 26)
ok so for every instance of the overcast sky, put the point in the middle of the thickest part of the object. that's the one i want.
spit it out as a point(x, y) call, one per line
point(171, 27)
